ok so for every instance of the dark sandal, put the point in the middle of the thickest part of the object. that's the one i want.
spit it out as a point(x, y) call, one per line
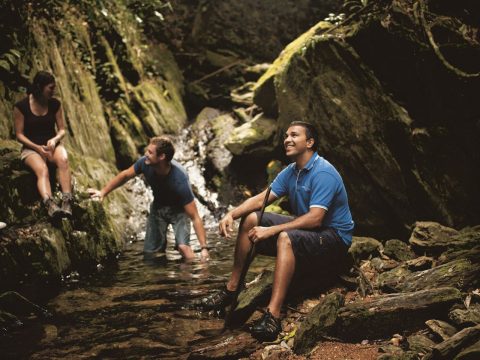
point(266, 328)
point(216, 301)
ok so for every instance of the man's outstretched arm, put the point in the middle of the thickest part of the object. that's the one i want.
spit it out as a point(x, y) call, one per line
point(114, 183)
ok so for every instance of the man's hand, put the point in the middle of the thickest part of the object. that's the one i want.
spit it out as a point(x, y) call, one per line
point(95, 194)
point(259, 233)
point(225, 227)
point(204, 255)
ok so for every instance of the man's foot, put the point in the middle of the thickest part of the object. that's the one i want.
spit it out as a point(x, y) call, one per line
point(67, 200)
point(2, 225)
point(52, 209)
point(266, 328)
point(217, 300)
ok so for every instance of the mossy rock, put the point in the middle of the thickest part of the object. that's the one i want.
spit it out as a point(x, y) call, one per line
point(364, 247)
point(254, 137)
point(431, 238)
point(398, 250)
point(420, 343)
point(389, 281)
point(383, 315)
point(465, 317)
point(264, 90)
point(318, 322)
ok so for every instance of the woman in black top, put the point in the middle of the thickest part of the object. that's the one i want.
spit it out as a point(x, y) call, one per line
point(35, 119)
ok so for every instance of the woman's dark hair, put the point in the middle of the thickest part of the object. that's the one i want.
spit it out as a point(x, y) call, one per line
point(41, 79)
point(310, 132)
point(163, 145)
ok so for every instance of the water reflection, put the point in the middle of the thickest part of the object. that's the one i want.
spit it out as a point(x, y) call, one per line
point(139, 309)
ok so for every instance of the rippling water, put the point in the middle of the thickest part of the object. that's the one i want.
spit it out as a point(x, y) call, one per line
point(140, 309)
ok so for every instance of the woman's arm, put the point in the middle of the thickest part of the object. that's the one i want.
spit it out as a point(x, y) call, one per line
point(60, 121)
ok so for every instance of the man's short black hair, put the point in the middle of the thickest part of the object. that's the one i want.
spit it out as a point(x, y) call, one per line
point(163, 145)
point(310, 131)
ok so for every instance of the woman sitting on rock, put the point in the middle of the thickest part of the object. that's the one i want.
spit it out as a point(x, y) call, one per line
point(35, 118)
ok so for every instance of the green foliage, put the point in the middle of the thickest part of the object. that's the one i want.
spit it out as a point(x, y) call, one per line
point(352, 6)
point(149, 14)
point(9, 59)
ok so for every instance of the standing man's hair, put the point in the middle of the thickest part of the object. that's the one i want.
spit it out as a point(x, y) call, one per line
point(41, 79)
point(310, 131)
point(163, 145)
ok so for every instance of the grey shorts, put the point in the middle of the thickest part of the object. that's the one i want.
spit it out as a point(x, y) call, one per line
point(26, 152)
point(314, 249)
point(157, 224)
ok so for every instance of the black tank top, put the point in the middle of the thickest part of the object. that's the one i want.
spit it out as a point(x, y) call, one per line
point(39, 129)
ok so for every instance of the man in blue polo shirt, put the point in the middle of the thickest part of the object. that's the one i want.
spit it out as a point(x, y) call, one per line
point(173, 202)
point(317, 237)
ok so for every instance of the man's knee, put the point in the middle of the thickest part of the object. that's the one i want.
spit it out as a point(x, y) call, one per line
point(283, 240)
point(250, 221)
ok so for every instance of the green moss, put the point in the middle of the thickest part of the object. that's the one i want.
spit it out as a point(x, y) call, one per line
point(132, 124)
point(159, 107)
point(126, 151)
point(254, 136)
point(264, 89)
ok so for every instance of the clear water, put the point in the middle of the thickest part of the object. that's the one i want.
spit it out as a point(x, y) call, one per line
point(140, 309)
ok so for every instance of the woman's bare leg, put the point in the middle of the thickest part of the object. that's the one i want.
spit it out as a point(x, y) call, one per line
point(60, 158)
point(39, 167)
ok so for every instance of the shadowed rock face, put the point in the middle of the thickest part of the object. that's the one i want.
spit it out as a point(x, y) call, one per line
point(258, 29)
point(116, 91)
point(399, 125)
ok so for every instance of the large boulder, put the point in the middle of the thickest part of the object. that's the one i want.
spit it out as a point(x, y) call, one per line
point(401, 155)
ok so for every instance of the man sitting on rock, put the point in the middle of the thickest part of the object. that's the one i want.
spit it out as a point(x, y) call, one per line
point(173, 202)
point(316, 238)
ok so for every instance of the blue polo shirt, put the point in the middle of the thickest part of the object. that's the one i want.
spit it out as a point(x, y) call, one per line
point(318, 184)
point(171, 190)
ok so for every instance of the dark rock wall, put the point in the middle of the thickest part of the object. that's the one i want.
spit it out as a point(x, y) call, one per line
point(400, 124)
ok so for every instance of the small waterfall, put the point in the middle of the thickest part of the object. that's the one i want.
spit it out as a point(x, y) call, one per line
point(191, 154)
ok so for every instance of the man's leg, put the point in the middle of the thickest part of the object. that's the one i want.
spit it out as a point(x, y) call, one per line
point(182, 225)
point(242, 247)
point(155, 235)
point(269, 326)
point(224, 296)
point(284, 270)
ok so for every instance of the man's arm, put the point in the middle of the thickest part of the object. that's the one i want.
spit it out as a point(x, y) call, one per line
point(192, 212)
point(114, 183)
point(312, 219)
point(249, 205)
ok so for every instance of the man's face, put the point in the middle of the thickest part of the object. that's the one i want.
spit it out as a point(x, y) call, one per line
point(296, 142)
point(151, 155)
